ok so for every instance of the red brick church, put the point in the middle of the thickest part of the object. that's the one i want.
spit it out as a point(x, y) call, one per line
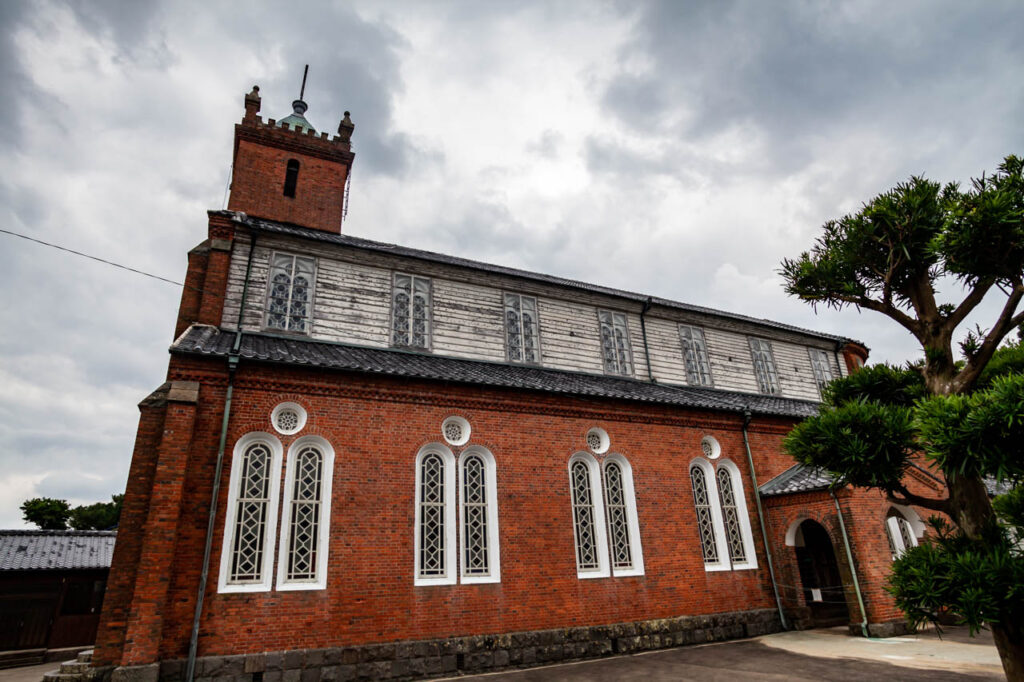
point(372, 461)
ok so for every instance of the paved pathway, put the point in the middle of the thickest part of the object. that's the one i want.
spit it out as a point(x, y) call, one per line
point(808, 655)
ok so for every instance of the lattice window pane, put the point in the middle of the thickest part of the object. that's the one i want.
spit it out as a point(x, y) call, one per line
point(432, 530)
point(290, 292)
point(304, 531)
point(410, 311)
point(583, 518)
point(893, 552)
point(618, 522)
point(733, 531)
point(521, 333)
point(764, 366)
point(530, 332)
point(705, 523)
point(822, 368)
point(615, 349)
point(906, 533)
point(695, 356)
point(476, 558)
point(251, 508)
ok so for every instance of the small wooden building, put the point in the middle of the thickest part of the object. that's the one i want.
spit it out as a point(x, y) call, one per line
point(51, 588)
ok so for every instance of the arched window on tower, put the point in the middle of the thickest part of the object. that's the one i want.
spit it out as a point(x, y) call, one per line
point(291, 177)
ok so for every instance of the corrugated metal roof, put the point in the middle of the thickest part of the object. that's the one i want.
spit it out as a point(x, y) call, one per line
point(799, 478)
point(206, 340)
point(22, 550)
point(394, 249)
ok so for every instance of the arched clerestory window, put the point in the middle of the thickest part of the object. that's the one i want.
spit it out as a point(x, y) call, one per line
point(251, 515)
point(723, 522)
point(305, 526)
point(478, 529)
point(435, 516)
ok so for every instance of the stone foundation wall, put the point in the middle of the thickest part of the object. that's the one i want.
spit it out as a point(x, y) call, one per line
point(442, 657)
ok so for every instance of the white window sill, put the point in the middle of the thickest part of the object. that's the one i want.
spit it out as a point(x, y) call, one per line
point(628, 573)
point(428, 582)
point(480, 579)
point(587, 575)
point(236, 589)
point(711, 568)
point(295, 587)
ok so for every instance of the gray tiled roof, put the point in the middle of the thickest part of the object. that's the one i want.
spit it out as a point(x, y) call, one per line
point(798, 478)
point(206, 340)
point(55, 549)
point(394, 249)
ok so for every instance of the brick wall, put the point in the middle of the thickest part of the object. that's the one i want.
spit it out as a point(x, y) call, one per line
point(257, 185)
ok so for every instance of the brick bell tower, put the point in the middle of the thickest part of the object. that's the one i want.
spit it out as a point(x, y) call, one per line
point(287, 172)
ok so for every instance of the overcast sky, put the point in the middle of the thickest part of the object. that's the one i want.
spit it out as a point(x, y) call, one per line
point(680, 149)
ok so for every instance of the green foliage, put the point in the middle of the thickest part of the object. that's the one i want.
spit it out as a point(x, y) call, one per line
point(862, 442)
point(97, 516)
point(1010, 508)
point(984, 232)
point(52, 514)
point(981, 434)
point(878, 383)
point(978, 581)
point(1007, 360)
point(917, 230)
point(46, 512)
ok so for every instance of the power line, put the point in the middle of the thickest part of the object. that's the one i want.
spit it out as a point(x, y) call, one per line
point(107, 262)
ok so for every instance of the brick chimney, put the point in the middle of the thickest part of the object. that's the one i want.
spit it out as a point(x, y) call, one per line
point(287, 172)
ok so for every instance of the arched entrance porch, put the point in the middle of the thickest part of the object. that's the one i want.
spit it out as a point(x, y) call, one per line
point(821, 579)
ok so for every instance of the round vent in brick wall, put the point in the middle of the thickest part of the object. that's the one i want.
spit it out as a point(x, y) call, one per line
point(455, 430)
point(710, 447)
point(597, 440)
point(288, 418)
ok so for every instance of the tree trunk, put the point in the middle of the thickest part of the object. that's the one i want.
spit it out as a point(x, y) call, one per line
point(971, 507)
point(1009, 637)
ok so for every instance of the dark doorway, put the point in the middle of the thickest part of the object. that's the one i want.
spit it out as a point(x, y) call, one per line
point(819, 573)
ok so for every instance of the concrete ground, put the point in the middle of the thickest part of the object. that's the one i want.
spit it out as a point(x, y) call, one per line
point(806, 655)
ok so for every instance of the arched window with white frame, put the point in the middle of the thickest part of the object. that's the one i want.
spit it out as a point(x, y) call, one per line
point(735, 519)
point(478, 529)
point(709, 516)
point(251, 516)
point(305, 520)
point(435, 516)
point(900, 532)
point(588, 517)
point(623, 526)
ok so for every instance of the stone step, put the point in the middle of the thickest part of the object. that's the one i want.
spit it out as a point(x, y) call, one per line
point(57, 676)
point(73, 667)
point(85, 656)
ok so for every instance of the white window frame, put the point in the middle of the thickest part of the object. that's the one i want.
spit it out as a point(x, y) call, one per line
point(324, 520)
point(914, 524)
point(615, 317)
point(724, 563)
point(428, 336)
point(741, 512)
point(822, 368)
point(450, 533)
point(629, 493)
point(764, 346)
point(522, 335)
point(600, 527)
point(270, 284)
point(493, 535)
point(700, 353)
point(274, 471)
